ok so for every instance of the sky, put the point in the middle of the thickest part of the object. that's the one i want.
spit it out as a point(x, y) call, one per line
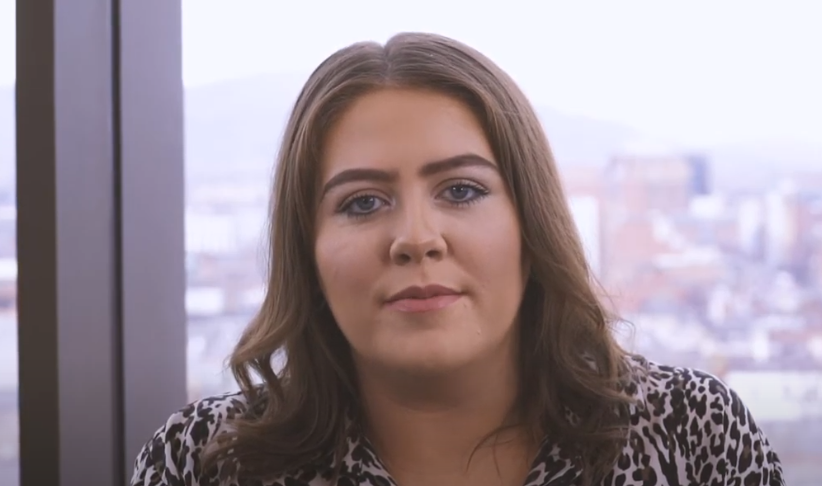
point(698, 72)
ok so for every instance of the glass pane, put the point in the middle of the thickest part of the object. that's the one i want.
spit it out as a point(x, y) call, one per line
point(9, 425)
point(688, 138)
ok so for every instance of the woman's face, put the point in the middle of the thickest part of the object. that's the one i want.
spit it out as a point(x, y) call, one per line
point(418, 242)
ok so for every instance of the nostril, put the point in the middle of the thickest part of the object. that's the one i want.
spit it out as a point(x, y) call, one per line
point(404, 250)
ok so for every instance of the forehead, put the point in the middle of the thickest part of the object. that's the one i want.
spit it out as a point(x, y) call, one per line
point(402, 127)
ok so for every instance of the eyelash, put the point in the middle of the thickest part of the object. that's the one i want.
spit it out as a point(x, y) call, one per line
point(481, 193)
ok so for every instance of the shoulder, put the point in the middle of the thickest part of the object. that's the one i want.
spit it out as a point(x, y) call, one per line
point(696, 415)
point(680, 394)
point(663, 387)
point(174, 451)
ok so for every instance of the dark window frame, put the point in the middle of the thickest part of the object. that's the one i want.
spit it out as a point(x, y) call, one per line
point(100, 204)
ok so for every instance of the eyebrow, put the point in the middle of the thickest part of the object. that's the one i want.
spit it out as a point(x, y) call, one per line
point(427, 170)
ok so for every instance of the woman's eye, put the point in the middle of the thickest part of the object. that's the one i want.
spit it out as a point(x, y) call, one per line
point(463, 193)
point(363, 205)
point(460, 192)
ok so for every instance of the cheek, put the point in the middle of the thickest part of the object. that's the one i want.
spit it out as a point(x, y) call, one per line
point(346, 267)
point(497, 249)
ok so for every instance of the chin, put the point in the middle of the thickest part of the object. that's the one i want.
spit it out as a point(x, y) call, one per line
point(431, 358)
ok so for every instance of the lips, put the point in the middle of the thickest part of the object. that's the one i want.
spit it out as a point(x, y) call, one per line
point(423, 299)
point(420, 293)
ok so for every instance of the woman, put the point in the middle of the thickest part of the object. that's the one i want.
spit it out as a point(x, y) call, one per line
point(439, 319)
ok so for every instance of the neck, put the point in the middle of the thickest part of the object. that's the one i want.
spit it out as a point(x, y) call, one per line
point(430, 427)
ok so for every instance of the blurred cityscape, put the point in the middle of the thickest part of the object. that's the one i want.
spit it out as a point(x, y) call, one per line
point(722, 280)
point(722, 276)
point(726, 281)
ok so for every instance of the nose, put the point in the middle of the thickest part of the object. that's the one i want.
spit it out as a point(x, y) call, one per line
point(418, 239)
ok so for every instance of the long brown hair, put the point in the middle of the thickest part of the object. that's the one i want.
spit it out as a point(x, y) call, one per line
point(570, 362)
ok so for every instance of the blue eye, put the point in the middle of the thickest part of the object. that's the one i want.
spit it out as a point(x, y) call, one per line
point(461, 192)
point(464, 193)
point(361, 205)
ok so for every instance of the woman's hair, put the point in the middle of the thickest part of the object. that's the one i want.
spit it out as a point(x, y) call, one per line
point(571, 369)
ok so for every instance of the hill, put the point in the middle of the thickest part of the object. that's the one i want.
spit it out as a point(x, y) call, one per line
point(233, 129)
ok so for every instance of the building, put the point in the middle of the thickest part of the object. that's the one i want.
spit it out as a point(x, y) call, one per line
point(665, 183)
point(782, 212)
point(700, 175)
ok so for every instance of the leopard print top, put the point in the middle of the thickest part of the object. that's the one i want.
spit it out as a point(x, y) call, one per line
point(687, 428)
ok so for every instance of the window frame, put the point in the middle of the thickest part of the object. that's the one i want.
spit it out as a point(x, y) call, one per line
point(100, 234)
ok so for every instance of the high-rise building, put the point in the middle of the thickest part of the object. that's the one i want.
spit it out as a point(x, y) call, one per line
point(751, 224)
point(644, 196)
point(665, 183)
point(782, 225)
point(700, 175)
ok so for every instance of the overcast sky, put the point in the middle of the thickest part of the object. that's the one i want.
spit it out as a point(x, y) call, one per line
point(703, 72)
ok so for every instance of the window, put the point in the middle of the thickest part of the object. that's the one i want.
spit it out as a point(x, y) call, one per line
point(710, 239)
point(9, 424)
